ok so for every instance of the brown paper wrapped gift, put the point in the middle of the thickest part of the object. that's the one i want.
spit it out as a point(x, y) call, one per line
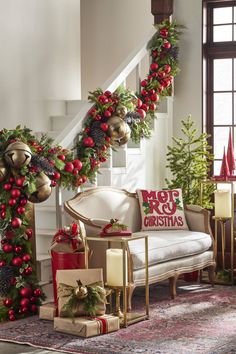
point(68, 279)
point(47, 311)
point(87, 327)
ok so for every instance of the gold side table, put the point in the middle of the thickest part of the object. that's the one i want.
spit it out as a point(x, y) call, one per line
point(128, 317)
point(222, 221)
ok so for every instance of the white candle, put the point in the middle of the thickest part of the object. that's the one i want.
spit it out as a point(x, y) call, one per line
point(114, 264)
point(223, 203)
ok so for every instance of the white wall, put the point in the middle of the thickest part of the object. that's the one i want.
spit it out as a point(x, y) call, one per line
point(187, 98)
point(111, 29)
point(40, 58)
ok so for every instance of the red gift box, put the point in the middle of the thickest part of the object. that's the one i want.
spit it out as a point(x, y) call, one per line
point(67, 252)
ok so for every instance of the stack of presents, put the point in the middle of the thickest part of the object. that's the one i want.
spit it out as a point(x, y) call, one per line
point(80, 298)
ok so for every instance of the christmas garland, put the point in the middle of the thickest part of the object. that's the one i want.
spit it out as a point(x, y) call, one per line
point(31, 167)
point(117, 117)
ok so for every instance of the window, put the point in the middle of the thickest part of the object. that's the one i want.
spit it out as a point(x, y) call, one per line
point(219, 68)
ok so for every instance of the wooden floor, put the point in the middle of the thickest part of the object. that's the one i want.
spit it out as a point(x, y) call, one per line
point(11, 348)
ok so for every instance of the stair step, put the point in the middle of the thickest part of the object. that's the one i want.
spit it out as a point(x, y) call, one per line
point(44, 239)
point(74, 106)
point(58, 123)
point(44, 267)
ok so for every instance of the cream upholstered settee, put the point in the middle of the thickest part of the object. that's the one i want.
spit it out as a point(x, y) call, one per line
point(171, 252)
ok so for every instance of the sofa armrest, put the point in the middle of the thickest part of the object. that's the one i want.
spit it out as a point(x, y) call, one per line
point(198, 219)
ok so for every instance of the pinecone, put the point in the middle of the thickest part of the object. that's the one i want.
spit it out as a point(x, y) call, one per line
point(97, 133)
point(6, 274)
point(42, 164)
point(174, 52)
point(132, 117)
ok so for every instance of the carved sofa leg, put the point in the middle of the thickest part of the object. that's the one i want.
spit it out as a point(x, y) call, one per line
point(172, 282)
point(130, 294)
point(211, 274)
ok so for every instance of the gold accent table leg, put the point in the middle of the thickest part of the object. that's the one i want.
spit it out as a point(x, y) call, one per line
point(222, 226)
point(118, 311)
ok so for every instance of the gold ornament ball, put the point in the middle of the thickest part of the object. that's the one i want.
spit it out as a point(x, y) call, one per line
point(81, 292)
point(43, 189)
point(17, 154)
point(3, 170)
point(126, 138)
point(116, 128)
point(121, 111)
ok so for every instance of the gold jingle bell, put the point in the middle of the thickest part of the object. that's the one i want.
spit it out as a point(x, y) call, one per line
point(126, 138)
point(3, 170)
point(116, 128)
point(81, 292)
point(121, 111)
point(17, 154)
point(43, 189)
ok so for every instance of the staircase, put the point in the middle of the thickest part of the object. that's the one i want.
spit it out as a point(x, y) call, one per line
point(128, 166)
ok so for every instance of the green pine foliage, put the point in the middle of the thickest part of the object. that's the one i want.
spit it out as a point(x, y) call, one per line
point(189, 161)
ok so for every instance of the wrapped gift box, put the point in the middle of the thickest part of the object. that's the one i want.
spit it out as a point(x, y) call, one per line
point(87, 327)
point(47, 311)
point(70, 278)
point(67, 252)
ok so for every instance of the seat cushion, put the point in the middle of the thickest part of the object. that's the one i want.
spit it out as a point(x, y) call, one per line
point(168, 245)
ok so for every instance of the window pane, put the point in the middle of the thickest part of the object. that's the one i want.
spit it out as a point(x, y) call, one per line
point(222, 108)
point(221, 135)
point(217, 166)
point(222, 33)
point(222, 15)
point(222, 74)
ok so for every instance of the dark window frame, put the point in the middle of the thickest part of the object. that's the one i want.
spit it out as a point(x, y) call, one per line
point(210, 51)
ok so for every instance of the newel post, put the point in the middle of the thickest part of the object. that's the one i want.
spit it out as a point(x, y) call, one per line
point(161, 10)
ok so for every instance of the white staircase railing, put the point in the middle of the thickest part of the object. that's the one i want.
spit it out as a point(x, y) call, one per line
point(132, 62)
point(68, 135)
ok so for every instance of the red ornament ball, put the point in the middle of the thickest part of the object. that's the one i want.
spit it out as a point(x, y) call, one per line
point(20, 181)
point(12, 202)
point(164, 32)
point(33, 299)
point(2, 263)
point(17, 261)
point(77, 164)
point(34, 308)
point(154, 97)
point(154, 66)
point(29, 233)
point(26, 257)
point(15, 193)
point(11, 312)
point(7, 302)
point(88, 141)
point(56, 175)
point(144, 83)
point(107, 114)
point(13, 281)
point(69, 167)
point(25, 292)
point(37, 292)
point(7, 248)
point(3, 206)
point(3, 214)
point(142, 113)
point(7, 186)
point(23, 202)
point(12, 318)
point(104, 127)
point(18, 249)
point(24, 309)
point(28, 271)
point(16, 223)
point(24, 302)
point(167, 45)
point(20, 210)
point(61, 157)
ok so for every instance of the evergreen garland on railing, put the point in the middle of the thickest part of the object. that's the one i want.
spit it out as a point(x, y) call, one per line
point(117, 117)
